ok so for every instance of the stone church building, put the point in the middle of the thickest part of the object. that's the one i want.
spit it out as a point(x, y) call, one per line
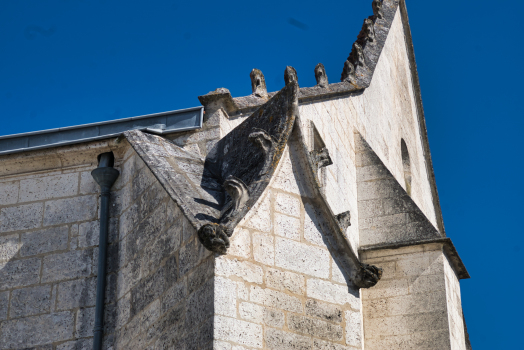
point(303, 219)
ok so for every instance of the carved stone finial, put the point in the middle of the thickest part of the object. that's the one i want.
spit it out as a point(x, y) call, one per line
point(344, 219)
point(238, 191)
point(214, 237)
point(290, 75)
point(258, 83)
point(321, 76)
point(367, 33)
point(357, 55)
point(348, 73)
point(321, 158)
point(377, 9)
point(368, 276)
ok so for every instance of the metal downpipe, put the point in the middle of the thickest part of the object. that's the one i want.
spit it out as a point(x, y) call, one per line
point(105, 175)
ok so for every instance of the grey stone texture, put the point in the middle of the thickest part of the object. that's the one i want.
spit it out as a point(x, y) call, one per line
point(30, 301)
point(44, 241)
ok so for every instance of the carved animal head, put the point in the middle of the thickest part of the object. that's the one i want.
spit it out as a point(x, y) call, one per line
point(290, 75)
point(368, 276)
point(321, 76)
point(258, 83)
point(214, 237)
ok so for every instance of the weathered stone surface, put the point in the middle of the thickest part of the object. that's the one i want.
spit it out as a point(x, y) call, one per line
point(328, 312)
point(353, 328)
point(49, 328)
point(287, 226)
point(44, 241)
point(332, 293)
point(225, 297)
point(314, 327)
point(264, 249)
point(9, 192)
point(240, 244)
point(9, 247)
point(82, 344)
point(85, 321)
point(4, 304)
point(61, 211)
point(46, 187)
point(287, 204)
point(285, 281)
point(279, 340)
point(30, 301)
point(302, 258)
point(88, 232)
point(174, 295)
point(76, 293)
point(19, 273)
point(251, 312)
point(274, 318)
point(243, 269)
point(21, 217)
point(73, 264)
point(275, 299)
point(238, 331)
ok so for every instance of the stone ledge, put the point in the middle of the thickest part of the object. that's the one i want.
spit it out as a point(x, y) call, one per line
point(449, 250)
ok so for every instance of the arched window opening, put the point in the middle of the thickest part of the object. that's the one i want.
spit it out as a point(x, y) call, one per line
point(406, 165)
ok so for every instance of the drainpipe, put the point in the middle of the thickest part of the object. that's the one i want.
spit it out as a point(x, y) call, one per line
point(105, 175)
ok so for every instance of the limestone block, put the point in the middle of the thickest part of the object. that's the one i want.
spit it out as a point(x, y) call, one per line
point(280, 340)
point(19, 273)
point(426, 284)
point(243, 291)
point(314, 327)
point(287, 226)
point(85, 321)
point(333, 293)
point(81, 344)
point(21, 217)
point(68, 210)
point(285, 281)
point(302, 258)
point(328, 312)
point(325, 345)
point(287, 204)
point(353, 329)
point(421, 340)
point(273, 318)
point(4, 304)
point(200, 305)
point(9, 192)
point(221, 345)
point(406, 324)
point(128, 276)
point(76, 293)
point(191, 255)
point(259, 218)
point(312, 231)
point(46, 187)
point(88, 232)
point(387, 288)
point(200, 275)
point(9, 247)
point(88, 185)
point(251, 312)
point(44, 241)
point(240, 244)
point(249, 272)
point(73, 264)
point(30, 301)
point(237, 331)
point(50, 328)
point(275, 299)
point(264, 249)
point(225, 297)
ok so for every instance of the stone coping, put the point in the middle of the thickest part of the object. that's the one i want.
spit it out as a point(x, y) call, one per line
point(449, 250)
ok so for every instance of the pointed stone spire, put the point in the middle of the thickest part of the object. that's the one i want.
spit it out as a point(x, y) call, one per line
point(321, 76)
point(377, 9)
point(258, 83)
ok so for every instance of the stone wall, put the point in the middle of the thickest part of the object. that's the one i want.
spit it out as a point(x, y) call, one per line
point(414, 306)
point(47, 265)
point(279, 287)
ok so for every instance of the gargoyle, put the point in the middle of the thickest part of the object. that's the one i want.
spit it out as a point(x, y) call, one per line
point(368, 276)
point(214, 237)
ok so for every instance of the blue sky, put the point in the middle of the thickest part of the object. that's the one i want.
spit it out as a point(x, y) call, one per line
point(69, 62)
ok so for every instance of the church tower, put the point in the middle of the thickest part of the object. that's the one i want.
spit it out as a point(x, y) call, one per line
point(302, 219)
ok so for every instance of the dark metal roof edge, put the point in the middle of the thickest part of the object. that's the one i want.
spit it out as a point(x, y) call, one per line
point(39, 132)
point(198, 122)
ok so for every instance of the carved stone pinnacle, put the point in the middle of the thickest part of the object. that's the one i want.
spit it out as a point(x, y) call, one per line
point(348, 73)
point(258, 83)
point(357, 55)
point(321, 76)
point(290, 75)
point(367, 34)
point(377, 9)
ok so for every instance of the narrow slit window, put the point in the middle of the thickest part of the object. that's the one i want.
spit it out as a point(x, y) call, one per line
point(406, 164)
